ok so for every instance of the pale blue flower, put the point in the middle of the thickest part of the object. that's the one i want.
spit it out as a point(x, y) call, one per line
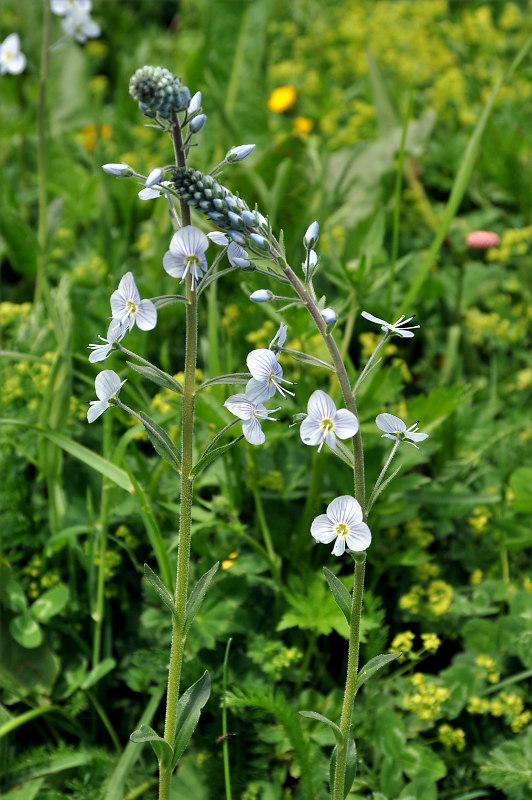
point(267, 376)
point(126, 305)
point(154, 177)
point(107, 385)
point(251, 412)
point(150, 192)
point(63, 7)
point(115, 333)
point(329, 316)
point(12, 60)
point(118, 170)
point(195, 103)
point(240, 152)
point(197, 123)
point(344, 523)
point(397, 327)
point(79, 25)
point(279, 339)
point(238, 257)
point(396, 430)
point(324, 423)
point(311, 236)
point(218, 238)
point(187, 254)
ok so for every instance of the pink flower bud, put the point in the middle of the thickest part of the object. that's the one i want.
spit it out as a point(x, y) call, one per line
point(482, 240)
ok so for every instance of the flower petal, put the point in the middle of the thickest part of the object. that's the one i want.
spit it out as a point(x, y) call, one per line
point(359, 538)
point(339, 546)
point(253, 432)
point(320, 406)
point(345, 424)
point(240, 405)
point(107, 384)
point(259, 391)
point(390, 423)
point(128, 287)
point(310, 431)
point(261, 363)
point(322, 529)
point(372, 318)
point(146, 315)
point(174, 264)
point(96, 409)
point(344, 509)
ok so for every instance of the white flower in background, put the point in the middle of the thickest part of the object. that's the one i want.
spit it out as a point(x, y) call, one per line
point(343, 522)
point(242, 407)
point(324, 423)
point(126, 305)
point(267, 376)
point(11, 59)
point(80, 26)
point(187, 254)
point(64, 7)
point(116, 332)
point(107, 385)
point(397, 327)
point(396, 429)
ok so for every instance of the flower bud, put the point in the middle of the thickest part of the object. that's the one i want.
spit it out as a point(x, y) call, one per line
point(312, 258)
point(261, 296)
point(259, 241)
point(119, 170)
point(311, 236)
point(236, 236)
point(482, 240)
point(238, 153)
point(329, 316)
point(195, 103)
point(155, 176)
point(249, 218)
point(197, 123)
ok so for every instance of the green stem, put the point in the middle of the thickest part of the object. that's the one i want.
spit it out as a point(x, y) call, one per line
point(352, 673)
point(99, 612)
point(225, 746)
point(397, 202)
point(381, 476)
point(42, 228)
point(105, 719)
point(187, 481)
point(370, 361)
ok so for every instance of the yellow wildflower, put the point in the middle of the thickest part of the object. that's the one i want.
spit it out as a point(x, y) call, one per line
point(411, 601)
point(431, 642)
point(440, 596)
point(229, 561)
point(521, 721)
point(476, 577)
point(403, 642)
point(282, 98)
point(477, 705)
point(303, 126)
point(451, 737)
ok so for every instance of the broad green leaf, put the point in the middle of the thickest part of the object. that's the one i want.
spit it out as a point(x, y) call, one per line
point(390, 733)
point(188, 713)
point(161, 442)
point(50, 603)
point(311, 606)
point(99, 671)
point(232, 378)
point(157, 376)
point(340, 594)
point(373, 666)
point(330, 723)
point(26, 672)
point(160, 588)
point(209, 457)
point(520, 483)
point(350, 765)
point(14, 596)
point(420, 761)
point(162, 749)
point(196, 597)
point(26, 631)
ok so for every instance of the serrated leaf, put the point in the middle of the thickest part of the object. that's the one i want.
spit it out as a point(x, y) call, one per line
point(373, 666)
point(350, 764)
point(209, 457)
point(162, 749)
point(340, 594)
point(232, 378)
point(50, 603)
point(161, 442)
point(196, 597)
point(157, 376)
point(160, 588)
point(26, 631)
point(188, 713)
point(314, 715)
point(98, 672)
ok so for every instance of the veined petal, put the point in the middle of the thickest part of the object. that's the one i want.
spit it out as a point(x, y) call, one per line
point(99, 352)
point(390, 423)
point(259, 391)
point(339, 546)
point(322, 529)
point(321, 406)
point(189, 241)
point(344, 509)
point(128, 287)
point(404, 333)
point(359, 538)
point(373, 318)
point(96, 409)
point(146, 315)
point(253, 432)
point(310, 431)
point(240, 405)
point(174, 264)
point(107, 384)
point(149, 193)
point(261, 363)
point(345, 423)
point(417, 437)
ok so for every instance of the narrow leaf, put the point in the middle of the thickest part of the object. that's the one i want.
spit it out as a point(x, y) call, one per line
point(350, 766)
point(373, 666)
point(305, 358)
point(198, 593)
point(157, 376)
point(314, 715)
point(99, 671)
point(234, 377)
point(209, 457)
point(340, 594)
point(161, 748)
point(160, 588)
point(161, 442)
point(168, 299)
point(188, 713)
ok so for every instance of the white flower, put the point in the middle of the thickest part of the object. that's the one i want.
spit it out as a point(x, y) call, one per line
point(324, 423)
point(154, 177)
point(118, 170)
point(267, 376)
point(218, 238)
point(397, 327)
point(79, 25)
point(238, 257)
point(187, 254)
point(239, 152)
point(343, 522)
point(127, 305)
point(115, 333)
point(261, 296)
point(107, 385)
point(251, 412)
point(311, 236)
point(329, 316)
point(396, 429)
point(150, 192)
point(11, 59)
point(280, 337)
point(63, 7)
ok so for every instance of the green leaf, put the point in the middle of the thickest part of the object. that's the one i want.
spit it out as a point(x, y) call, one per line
point(390, 733)
point(26, 631)
point(188, 713)
point(168, 299)
point(314, 715)
point(98, 672)
point(161, 442)
point(420, 761)
point(340, 594)
point(520, 483)
point(209, 457)
point(14, 596)
point(350, 765)
point(162, 749)
point(196, 597)
point(373, 666)
point(312, 607)
point(160, 588)
point(50, 603)
point(20, 240)
point(305, 358)
point(232, 378)
point(157, 376)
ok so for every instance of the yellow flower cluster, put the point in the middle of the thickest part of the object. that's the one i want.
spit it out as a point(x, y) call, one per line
point(404, 642)
point(514, 242)
point(508, 706)
point(45, 581)
point(479, 520)
point(14, 312)
point(435, 600)
point(90, 135)
point(426, 699)
point(489, 670)
point(27, 379)
point(451, 737)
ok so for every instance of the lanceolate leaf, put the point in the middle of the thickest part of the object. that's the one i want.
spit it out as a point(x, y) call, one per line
point(157, 376)
point(160, 588)
point(209, 457)
point(98, 672)
point(161, 748)
point(161, 442)
point(330, 723)
point(198, 593)
point(188, 713)
point(373, 666)
point(235, 377)
point(340, 594)
point(350, 766)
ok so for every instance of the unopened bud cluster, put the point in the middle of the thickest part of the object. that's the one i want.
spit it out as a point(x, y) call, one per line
point(158, 92)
